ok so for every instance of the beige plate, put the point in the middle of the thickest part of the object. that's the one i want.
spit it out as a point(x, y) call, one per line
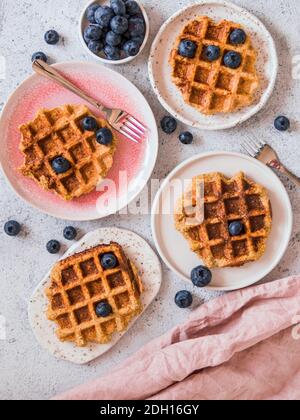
point(139, 252)
point(160, 70)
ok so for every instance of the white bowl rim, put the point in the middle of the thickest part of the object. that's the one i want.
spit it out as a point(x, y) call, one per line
point(114, 62)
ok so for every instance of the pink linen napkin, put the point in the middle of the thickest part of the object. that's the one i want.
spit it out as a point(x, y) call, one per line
point(242, 346)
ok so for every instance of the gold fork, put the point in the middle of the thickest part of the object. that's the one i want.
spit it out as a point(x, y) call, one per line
point(120, 120)
point(266, 154)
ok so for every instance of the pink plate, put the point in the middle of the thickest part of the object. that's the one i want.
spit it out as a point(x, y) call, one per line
point(135, 160)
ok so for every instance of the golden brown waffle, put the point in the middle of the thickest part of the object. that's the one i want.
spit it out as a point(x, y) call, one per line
point(226, 200)
point(79, 283)
point(58, 132)
point(212, 87)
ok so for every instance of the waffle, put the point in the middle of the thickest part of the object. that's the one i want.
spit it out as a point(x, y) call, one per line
point(226, 200)
point(79, 283)
point(211, 87)
point(58, 132)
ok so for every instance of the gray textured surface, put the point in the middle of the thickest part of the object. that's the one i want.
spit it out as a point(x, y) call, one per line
point(27, 371)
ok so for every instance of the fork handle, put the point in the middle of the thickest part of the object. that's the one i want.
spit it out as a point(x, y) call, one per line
point(281, 168)
point(48, 71)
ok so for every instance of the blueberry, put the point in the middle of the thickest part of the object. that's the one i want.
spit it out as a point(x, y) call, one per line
point(201, 276)
point(131, 48)
point(95, 46)
point(12, 228)
point(212, 53)
point(90, 12)
point(136, 26)
point(109, 261)
point(119, 25)
point(89, 124)
point(70, 233)
point(112, 53)
point(236, 228)
point(187, 48)
point(282, 123)
point(233, 60)
point(103, 310)
point(61, 165)
point(132, 7)
point(104, 136)
point(168, 125)
point(103, 16)
point(186, 137)
point(113, 39)
point(39, 56)
point(238, 37)
point(53, 247)
point(93, 33)
point(184, 299)
point(51, 37)
point(118, 7)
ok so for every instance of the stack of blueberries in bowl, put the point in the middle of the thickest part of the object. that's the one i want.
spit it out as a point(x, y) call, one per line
point(115, 31)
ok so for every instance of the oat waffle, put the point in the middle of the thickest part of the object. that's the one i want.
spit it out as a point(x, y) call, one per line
point(211, 87)
point(79, 283)
point(58, 132)
point(226, 200)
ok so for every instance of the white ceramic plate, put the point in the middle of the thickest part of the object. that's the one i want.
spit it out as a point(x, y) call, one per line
point(105, 85)
point(83, 23)
point(146, 261)
point(160, 70)
point(173, 247)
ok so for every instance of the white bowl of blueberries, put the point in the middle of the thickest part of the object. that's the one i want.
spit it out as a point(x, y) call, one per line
point(114, 31)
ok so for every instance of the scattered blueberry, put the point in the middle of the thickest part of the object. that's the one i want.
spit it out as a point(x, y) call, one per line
point(90, 13)
point(118, 7)
point(212, 53)
point(61, 165)
point(113, 39)
point(233, 60)
point(184, 299)
point(187, 48)
point(236, 228)
point(186, 137)
point(109, 261)
point(238, 37)
point(104, 136)
point(12, 228)
point(89, 124)
point(93, 33)
point(131, 48)
point(282, 123)
point(132, 7)
point(52, 37)
point(70, 233)
point(39, 56)
point(103, 310)
point(53, 247)
point(112, 53)
point(103, 16)
point(95, 46)
point(136, 26)
point(119, 25)
point(201, 276)
point(168, 125)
